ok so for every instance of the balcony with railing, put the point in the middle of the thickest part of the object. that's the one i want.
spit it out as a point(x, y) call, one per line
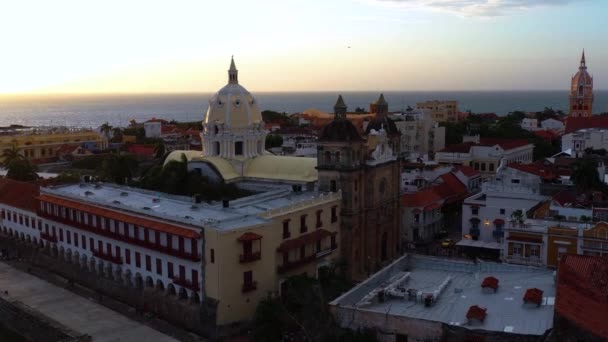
point(249, 257)
point(183, 282)
point(290, 265)
point(107, 256)
point(250, 286)
point(522, 260)
point(182, 254)
point(48, 237)
point(595, 246)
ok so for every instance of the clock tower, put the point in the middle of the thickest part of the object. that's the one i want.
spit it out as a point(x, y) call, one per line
point(581, 92)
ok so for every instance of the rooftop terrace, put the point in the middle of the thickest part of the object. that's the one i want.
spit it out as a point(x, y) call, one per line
point(455, 287)
point(243, 212)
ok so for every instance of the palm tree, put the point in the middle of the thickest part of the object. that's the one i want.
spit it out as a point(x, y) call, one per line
point(11, 154)
point(21, 169)
point(106, 129)
point(117, 134)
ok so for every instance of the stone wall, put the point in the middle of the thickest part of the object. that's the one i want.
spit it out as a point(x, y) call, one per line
point(144, 297)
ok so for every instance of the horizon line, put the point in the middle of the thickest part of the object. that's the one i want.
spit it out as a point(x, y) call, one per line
point(278, 91)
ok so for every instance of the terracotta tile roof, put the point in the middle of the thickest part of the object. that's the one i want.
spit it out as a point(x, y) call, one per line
point(477, 313)
point(505, 144)
point(537, 168)
point(547, 135)
point(142, 150)
point(490, 282)
point(574, 124)
point(467, 171)
point(302, 240)
point(18, 194)
point(582, 288)
point(421, 198)
point(119, 216)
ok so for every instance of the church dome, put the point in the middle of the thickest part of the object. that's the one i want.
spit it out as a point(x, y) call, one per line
point(233, 105)
point(582, 77)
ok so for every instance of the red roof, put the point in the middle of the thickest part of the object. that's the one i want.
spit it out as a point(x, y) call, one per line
point(582, 285)
point(477, 313)
point(537, 168)
point(505, 144)
point(534, 295)
point(421, 198)
point(249, 236)
point(490, 282)
point(142, 150)
point(467, 171)
point(547, 135)
point(303, 240)
point(140, 221)
point(574, 124)
point(18, 194)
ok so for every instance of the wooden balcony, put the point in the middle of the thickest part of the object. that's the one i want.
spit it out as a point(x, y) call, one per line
point(249, 257)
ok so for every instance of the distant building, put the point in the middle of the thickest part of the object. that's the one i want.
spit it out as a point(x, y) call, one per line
point(581, 92)
point(577, 142)
point(485, 154)
point(419, 298)
point(529, 124)
point(420, 134)
point(441, 111)
point(553, 125)
point(42, 145)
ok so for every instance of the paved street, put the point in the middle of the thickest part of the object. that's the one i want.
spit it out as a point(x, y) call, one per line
point(77, 313)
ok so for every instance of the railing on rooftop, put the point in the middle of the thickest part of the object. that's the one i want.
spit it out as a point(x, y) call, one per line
point(522, 260)
point(322, 198)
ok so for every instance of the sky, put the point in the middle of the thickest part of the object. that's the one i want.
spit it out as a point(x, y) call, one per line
point(132, 46)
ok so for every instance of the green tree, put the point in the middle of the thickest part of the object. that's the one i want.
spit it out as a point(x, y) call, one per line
point(118, 167)
point(159, 149)
point(273, 140)
point(21, 169)
point(586, 177)
point(10, 154)
point(116, 135)
point(106, 129)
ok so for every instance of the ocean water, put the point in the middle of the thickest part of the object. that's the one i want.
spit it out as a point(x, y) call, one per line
point(94, 110)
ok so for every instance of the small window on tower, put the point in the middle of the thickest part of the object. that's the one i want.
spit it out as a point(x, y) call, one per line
point(238, 148)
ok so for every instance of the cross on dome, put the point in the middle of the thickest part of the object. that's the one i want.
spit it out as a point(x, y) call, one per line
point(583, 63)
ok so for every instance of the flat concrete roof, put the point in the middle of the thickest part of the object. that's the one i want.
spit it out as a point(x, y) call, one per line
point(242, 212)
point(506, 311)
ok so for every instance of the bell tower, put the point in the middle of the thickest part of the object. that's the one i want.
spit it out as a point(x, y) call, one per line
point(581, 92)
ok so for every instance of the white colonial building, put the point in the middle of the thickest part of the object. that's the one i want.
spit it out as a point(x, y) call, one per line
point(577, 142)
point(485, 154)
point(484, 215)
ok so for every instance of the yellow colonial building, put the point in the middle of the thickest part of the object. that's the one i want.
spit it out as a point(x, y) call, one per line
point(542, 243)
point(44, 144)
point(441, 111)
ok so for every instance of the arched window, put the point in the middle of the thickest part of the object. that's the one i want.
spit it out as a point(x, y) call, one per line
point(580, 90)
point(216, 148)
point(327, 157)
point(216, 129)
point(383, 247)
point(338, 157)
